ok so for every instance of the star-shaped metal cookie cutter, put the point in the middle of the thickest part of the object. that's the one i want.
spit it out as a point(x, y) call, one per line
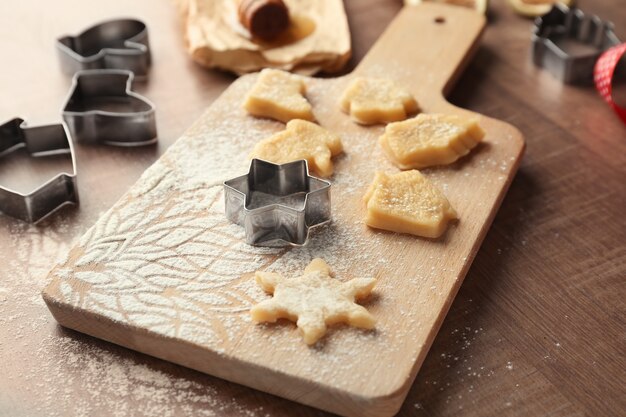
point(277, 202)
point(115, 44)
point(54, 193)
point(564, 25)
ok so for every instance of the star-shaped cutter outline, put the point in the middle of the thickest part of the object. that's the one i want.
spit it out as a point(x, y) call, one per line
point(112, 44)
point(273, 221)
point(59, 190)
point(562, 21)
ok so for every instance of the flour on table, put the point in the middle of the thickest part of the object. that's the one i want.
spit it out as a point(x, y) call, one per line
point(69, 374)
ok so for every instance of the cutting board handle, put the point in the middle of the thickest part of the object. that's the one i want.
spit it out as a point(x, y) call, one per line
point(425, 47)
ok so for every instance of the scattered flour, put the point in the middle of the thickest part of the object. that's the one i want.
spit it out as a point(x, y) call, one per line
point(61, 373)
point(169, 262)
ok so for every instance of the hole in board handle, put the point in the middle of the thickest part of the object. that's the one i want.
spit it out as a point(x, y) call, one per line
point(440, 20)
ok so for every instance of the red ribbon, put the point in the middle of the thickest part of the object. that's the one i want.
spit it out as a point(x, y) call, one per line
point(603, 76)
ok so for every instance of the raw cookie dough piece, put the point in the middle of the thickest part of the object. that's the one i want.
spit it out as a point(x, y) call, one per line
point(430, 139)
point(278, 95)
point(314, 300)
point(407, 202)
point(301, 140)
point(535, 8)
point(377, 100)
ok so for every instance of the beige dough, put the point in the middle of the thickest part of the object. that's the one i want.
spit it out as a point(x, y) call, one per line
point(278, 95)
point(430, 139)
point(301, 140)
point(318, 37)
point(377, 100)
point(314, 300)
point(534, 8)
point(407, 202)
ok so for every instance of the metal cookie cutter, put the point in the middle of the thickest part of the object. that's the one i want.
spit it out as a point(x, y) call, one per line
point(56, 192)
point(119, 44)
point(102, 108)
point(567, 42)
point(277, 202)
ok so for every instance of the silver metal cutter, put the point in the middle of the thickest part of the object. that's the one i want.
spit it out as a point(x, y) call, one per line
point(102, 108)
point(564, 25)
point(54, 193)
point(115, 44)
point(277, 202)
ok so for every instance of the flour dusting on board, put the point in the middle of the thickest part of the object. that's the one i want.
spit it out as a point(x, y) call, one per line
point(62, 373)
point(166, 260)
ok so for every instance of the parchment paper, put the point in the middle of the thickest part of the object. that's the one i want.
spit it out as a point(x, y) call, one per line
point(215, 38)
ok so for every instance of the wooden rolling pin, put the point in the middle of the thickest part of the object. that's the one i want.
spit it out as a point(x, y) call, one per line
point(265, 19)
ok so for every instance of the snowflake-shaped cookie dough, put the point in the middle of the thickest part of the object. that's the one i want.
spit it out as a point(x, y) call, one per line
point(278, 95)
point(314, 300)
point(377, 100)
point(430, 139)
point(301, 140)
point(407, 202)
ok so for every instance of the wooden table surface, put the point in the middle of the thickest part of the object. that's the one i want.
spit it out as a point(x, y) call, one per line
point(537, 329)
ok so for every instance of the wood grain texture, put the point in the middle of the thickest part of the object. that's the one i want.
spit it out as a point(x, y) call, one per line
point(536, 329)
point(186, 300)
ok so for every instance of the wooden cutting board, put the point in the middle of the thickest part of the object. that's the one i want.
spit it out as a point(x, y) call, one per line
point(162, 272)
